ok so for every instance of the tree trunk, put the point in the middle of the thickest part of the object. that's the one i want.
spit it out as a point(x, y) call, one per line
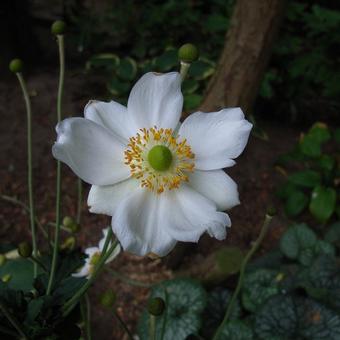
point(247, 48)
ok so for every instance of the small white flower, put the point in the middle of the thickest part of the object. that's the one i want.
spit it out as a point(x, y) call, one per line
point(93, 255)
point(161, 182)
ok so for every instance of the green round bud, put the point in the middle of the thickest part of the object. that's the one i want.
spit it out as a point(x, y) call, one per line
point(271, 211)
point(6, 278)
point(16, 65)
point(69, 243)
point(2, 259)
point(160, 158)
point(156, 306)
point(25, 249)
point(58, 27)
point(68, 221)
point(108, 299)
point(188, 53)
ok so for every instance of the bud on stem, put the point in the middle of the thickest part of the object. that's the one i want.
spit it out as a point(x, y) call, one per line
point(58, 27)
point(16, 65)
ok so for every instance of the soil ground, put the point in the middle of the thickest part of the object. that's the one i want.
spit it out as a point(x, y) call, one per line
point(254, 173)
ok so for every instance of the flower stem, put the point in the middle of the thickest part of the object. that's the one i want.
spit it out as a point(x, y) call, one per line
point(86, 316)
point(123, 324)
point(80, 199)
point(60, 39)
point(29, 166)
point(39, 263)
point(184, 70)
point(245, 261)
point(69, 305)
point(13, 321)
point(152, 327)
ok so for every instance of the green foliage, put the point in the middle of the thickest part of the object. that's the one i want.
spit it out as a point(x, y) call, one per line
point(304, 70)
point(333, 234)
point(218, 300)
point(300, 243)
point(322, 203)
point(21, 274)
point(293, 293)
point(40, 315)
point(314, 184)
point(259, 286)
point(236, 330)
point(151, 45)
point(185, 301)
point(288, 317)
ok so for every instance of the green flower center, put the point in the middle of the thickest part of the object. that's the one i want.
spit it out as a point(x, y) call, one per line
point(95, 258)
point(160, 158)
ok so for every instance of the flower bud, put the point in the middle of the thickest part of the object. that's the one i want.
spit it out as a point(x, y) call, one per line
point(25, 249)
point(156, 306)
point(108, 299)
point(69, 243)
point(188, 53)
point(271, 211)
point(2, 259)
point(6, 278)
point(16, 65)
point(70, 223)
point(58, 27)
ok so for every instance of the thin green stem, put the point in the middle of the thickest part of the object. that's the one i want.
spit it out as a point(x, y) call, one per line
point(60, 39)
point(29, 166)
point(85, 314)
point(245, 261)
point(127, 280)
point(52, 224)
point(88, 318)
point(123, 325)
point(69, 305)
point(27, 209)
point(13, 321)
point(39, 263)
point(152, 327)
point(184, 70)
point(107, 241)
point(80, 199)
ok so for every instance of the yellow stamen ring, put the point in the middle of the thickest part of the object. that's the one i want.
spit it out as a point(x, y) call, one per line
point(159, 159)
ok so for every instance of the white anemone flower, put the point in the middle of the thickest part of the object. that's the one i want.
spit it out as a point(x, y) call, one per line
point(93, 255)
point(161, 181)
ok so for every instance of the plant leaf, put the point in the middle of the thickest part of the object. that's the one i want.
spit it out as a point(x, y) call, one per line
point(322, 203)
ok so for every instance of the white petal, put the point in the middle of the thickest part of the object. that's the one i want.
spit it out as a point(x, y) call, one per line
point(91, 151)
point(139, 226)
point(217, 186)
point(105, 199)
point(90, 252)
point(103, 239)
point(189, 215)
point(112, 116)
point(216, 138)
point(84, 271)
point(156, 100)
